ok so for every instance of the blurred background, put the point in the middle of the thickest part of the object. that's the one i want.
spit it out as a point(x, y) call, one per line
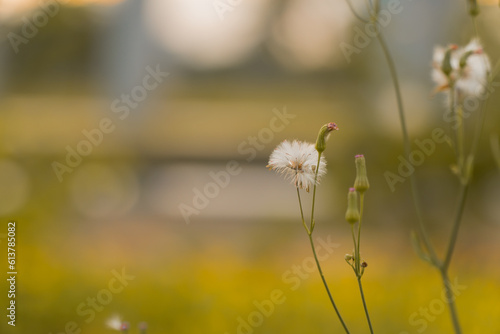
point(118, 116)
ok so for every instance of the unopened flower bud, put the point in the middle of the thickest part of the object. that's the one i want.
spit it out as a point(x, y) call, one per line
point(352, 213)
point(323, 135)
point(348, 257)
point(361, 183)
point(473, 7)
point(364, 264)
point(143, 326)
point(466, 55)
point(446, 65)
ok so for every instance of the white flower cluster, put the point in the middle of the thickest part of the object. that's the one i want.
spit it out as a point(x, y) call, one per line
point(468, 72)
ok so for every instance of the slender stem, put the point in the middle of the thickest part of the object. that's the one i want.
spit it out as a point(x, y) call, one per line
point(364, 305)
point(326, 285)
point(457, 113)
point(482, 114)
point(358, 253)
point(464, 175)
point(406, 141)
point(407, 149)
point(369, 8)
point(474, 27)
point(358, 260)
point(455, 126)
point(376, 8)
point(423, 232)
point(451, 301)
point(359, 17)
point(302, 213)
point(432, 254)
point(456, 226)
point(480, 125)
point(309, 234)
point(314, 192)
point(356, 269)
point(461, 157)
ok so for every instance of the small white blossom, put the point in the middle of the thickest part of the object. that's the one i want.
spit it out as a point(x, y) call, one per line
point(474, 76)
point(297, 161)
point(470, 79)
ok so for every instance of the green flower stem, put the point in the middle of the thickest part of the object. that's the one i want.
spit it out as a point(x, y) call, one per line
point(309, 234)
point(407, 149)
point(326, 285)
point(364, 304)
point(482, 114)
point(456, 226)
point(463, 196)
point(314, 192)
point(457, 113)
point(474, 27)
point(464, 185)
point(444, 267)
point(356, 270)
point(450, 299)
point(432, 254)
point(460, 143)
point(455, 126)
point(369, 7)
point(359, 17)
point(359, 274)
point(358, 253)
point(302, 213)
point(462, 164)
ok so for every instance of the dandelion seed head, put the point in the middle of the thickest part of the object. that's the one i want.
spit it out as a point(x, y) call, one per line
point(297, 161)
